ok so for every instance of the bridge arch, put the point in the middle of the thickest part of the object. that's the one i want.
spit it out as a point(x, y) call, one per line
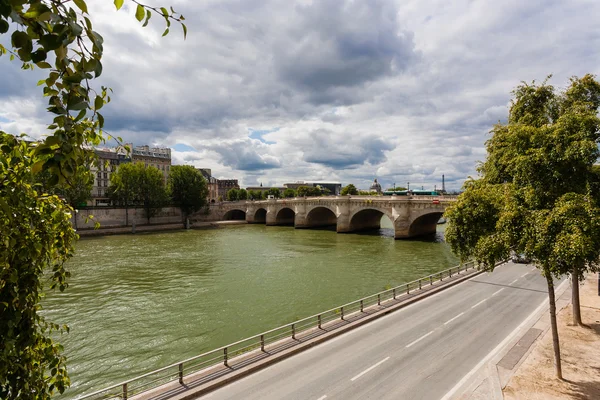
point(320, 216)
point(235, 215)
point(367, 219)
point(260, 216)
point(285, 216)
point(425, 224)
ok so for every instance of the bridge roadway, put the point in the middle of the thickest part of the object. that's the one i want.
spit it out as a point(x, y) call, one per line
point(419, 352)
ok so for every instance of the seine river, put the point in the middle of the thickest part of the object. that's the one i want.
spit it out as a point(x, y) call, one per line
point(139, 302)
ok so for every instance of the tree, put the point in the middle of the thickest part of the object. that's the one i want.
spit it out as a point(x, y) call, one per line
point(534, 195)
point(35, 236)
point(45, 32)
point(188, 189)
point(232, 194)
point(397, 189)
point(303, 191)
point(289, 193)
point(275, 192)
point(123, 188)
point(242, 194)
point(151, 189)
point(349, 190)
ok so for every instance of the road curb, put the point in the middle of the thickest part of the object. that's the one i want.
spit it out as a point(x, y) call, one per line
point(208, 387)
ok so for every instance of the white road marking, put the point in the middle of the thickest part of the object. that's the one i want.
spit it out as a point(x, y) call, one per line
point(450, 320)
point(478, 303)
point(514, 281)
point(370, 368)
point(524, 274)
point(419, 339)
point(498, 291)
point(494, 352)
point(322, 397)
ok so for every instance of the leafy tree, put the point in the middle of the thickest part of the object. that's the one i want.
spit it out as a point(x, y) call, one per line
point(289, 193)
point(242, 194)
point(35, 235)
point(232, 194)
point(123, 188)
point(303, 191)
point(349, 190)
point(56, 36)
point(534, 196)
point(188, 189)
point(151, 189)
point(397, 189)
point(275, 192)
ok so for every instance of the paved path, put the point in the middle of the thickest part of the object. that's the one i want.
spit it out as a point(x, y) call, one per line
point(419, 352)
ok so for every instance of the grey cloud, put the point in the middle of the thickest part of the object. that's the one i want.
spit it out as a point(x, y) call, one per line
point(343, 151)
point(245, 155)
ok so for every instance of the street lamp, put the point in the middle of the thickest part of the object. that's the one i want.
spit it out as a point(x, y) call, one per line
point(407, 186)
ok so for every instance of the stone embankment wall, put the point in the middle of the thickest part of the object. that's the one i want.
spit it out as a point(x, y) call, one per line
point(110, 217)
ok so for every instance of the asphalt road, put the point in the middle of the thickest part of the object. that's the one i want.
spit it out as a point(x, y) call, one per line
point(419, 352)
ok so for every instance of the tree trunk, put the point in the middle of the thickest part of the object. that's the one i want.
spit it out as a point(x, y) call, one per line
point(126, 216)
point(555, 341)
point(575, 296)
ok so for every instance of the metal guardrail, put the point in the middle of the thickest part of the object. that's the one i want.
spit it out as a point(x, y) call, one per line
point(223, 355)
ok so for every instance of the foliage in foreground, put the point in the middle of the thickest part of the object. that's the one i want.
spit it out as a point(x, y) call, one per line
point(35, 235)
point(58, 37)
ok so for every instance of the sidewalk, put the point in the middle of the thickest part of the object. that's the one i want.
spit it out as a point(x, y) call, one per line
point(524, 369)
point(580, 351)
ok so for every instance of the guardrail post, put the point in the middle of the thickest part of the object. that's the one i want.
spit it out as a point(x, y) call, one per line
point(319, 319)
point(342, 312)
point(361, 306)
point(225, 357)
point(293, 331)
point(419, 284)
point(407, 288)
point(394, 293)
point(431, 279)
point(262, 342)
point(181, 373)
point(378, 299)
point(124, 391)
point(441, 276)
point(450, 272)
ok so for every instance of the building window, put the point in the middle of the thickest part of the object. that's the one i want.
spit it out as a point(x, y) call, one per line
point(105, 175)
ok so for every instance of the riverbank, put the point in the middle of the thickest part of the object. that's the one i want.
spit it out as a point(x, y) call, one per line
point(127, 230)
point(580, 350)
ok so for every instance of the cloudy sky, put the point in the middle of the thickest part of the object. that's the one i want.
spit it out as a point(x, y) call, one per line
point(329, 90)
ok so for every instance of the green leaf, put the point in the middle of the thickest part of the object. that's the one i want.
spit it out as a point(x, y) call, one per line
point(184, 31)
point(3, 26)
point(43, 65)
point(20, 39)
point(164, 12)
point(41, 82)
point(118, 4)
point(166, 32)
point(140, 13)
point(38, 56)
point(100, 120)
point(148, 16)
point(81, 4)
point(98, 103)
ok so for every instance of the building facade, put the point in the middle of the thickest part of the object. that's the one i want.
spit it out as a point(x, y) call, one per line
point(153, 157)
point(108, 162)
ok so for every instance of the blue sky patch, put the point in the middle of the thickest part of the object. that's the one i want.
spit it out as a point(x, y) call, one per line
point(183, 147)
point(258, 134)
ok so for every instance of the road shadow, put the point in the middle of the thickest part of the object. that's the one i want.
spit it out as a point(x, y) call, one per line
point(508, 286)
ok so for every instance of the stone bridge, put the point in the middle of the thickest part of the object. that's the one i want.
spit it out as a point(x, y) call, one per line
point(411, 216)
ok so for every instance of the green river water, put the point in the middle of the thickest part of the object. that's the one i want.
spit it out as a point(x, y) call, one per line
point(139, 302)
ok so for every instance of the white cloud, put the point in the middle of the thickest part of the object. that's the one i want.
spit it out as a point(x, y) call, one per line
point(346, 90)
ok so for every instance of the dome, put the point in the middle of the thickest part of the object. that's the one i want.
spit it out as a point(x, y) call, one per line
point(375, 187)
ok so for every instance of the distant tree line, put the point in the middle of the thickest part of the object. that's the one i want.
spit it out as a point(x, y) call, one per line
point(302, 191)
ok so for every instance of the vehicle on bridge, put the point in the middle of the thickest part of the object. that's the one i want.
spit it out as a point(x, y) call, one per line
point(411, 193)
